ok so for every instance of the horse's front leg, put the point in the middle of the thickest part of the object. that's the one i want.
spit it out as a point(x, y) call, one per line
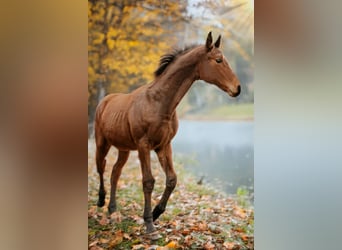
point(148, 184)
point(165, 159)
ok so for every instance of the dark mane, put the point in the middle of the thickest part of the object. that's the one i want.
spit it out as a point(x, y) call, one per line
point(167, 59)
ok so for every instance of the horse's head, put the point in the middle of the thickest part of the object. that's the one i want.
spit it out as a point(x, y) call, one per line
point(214, 68)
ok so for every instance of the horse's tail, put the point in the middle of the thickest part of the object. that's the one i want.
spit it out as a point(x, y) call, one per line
point(99, 110)
point(97, 121)
point(101, 107)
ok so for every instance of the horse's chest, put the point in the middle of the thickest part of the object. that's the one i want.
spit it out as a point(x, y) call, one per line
point(162, 133)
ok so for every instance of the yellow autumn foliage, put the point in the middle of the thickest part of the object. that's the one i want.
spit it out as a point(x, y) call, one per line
point(125, 41)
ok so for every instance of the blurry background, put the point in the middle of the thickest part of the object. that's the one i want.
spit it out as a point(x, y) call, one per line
point(125, 41)
point(297, 131)
point(127, 38)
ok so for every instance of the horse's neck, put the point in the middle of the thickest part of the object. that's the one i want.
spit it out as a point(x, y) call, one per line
point(171, 87)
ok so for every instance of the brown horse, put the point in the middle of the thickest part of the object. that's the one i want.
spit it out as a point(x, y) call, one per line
point(146, 119)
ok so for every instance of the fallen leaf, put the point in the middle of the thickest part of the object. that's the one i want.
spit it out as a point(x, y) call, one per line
point(188, 240)
point(186, 231)
point(244, 237)
point(160, 248)
point(172, 245)
point(117, 238)
point(202, 226)
point(95, 248)
point(104, 241)
point(104, 221)
point(215, 229)
point(231, 245)
point(116, 217)
point(240, 212)
point(174, 223)
point(239, 229)
point(209, 246)
point(127, 236)
point(138, 247)
point(91, 211)
point(93, 243)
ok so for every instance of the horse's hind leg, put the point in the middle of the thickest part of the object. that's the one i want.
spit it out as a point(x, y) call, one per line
point(102, 148)
point(116, 172)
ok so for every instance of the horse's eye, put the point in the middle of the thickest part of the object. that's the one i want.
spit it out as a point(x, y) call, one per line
point(218, 60)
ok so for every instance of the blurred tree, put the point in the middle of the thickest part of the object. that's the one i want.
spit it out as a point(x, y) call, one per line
point(125, 40)
point(234, 20)
point(127, 37)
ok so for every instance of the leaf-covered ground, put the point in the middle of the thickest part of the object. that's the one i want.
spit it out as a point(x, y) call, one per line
point(197, 216)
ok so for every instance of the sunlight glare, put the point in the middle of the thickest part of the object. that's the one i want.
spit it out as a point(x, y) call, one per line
point(251, 4)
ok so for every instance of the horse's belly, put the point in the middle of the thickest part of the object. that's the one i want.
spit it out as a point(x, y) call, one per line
point(120, 140)
point(118, 133)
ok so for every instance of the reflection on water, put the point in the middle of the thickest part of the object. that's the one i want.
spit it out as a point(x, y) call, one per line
point(221, 151)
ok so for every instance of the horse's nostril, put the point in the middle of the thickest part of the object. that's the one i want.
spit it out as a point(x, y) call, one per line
point(238, 90)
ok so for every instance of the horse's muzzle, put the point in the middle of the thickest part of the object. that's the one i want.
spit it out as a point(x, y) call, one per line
point(238, 90)
point(236, 93)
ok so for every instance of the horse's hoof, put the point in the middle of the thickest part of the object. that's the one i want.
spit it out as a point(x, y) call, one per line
point(153, 236)
point(111, 209)
point(150, 229)
point(102, 197)
point(100, 203)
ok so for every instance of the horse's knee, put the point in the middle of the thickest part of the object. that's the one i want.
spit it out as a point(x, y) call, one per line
point(148, 185)
point(171, 182)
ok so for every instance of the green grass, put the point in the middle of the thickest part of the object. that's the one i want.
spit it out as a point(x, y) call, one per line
point(238, 111)
point(94, 227)
point(243, 111)
point(126, 225)
point(199, 189)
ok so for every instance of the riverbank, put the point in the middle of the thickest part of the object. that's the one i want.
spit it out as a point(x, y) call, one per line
point(236, 112)
point(197, 216)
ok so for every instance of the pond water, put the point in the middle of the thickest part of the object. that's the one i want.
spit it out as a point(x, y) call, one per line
point(219, 151)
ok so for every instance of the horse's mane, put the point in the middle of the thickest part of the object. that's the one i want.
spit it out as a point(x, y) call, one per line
point(167, 59)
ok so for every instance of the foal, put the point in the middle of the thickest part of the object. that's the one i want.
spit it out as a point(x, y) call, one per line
point(146, 119)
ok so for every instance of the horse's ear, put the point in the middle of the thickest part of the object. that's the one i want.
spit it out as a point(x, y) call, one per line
point(218, 41)
point(209, 41)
